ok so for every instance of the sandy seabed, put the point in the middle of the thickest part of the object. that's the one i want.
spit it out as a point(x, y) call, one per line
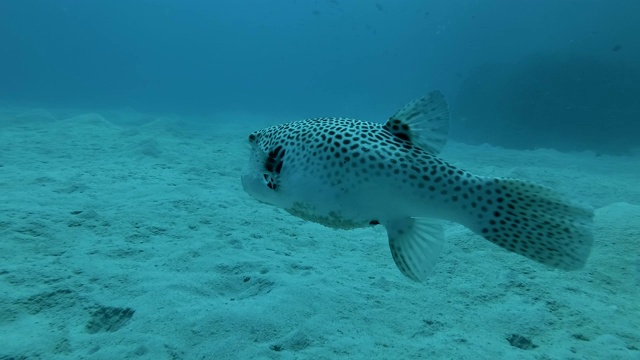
point(134, 240)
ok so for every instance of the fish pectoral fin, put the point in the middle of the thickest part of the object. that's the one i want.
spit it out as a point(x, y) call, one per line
point(415, 245)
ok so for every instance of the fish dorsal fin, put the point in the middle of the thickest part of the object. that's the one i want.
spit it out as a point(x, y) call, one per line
point(424, 122)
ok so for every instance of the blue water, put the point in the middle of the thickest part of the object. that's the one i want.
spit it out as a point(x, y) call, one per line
point(124, 236)
point(351, 58)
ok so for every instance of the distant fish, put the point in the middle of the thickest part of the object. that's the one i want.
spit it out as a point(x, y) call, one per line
point(346, 173)
point(616, 48)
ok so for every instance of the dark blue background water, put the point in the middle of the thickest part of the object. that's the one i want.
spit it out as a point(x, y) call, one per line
point(323, 57)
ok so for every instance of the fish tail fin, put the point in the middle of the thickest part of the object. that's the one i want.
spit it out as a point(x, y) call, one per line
point(533, 221)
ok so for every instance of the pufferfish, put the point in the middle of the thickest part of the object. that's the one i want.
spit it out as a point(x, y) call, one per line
point(345, 173)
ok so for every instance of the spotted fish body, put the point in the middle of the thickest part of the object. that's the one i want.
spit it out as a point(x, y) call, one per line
point(346, 173)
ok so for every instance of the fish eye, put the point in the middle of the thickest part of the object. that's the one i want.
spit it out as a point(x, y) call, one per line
point(252, 137)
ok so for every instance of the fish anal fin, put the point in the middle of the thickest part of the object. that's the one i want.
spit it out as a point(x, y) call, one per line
point(415, 245)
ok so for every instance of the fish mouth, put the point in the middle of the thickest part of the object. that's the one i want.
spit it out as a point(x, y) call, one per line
point(249, 184)
point(254, 184)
